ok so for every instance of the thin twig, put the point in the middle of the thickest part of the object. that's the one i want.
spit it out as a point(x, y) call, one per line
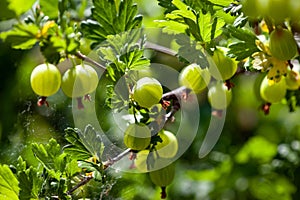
point(106, 164)
point(156, 47)
point(81, 183)
point(110, 162)
point(176, 96)
point(175, 93)
point(87, 59)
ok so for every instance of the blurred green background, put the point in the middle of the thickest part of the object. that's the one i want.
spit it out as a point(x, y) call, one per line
point(256, 157)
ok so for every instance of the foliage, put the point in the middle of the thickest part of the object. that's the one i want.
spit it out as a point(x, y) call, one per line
point(257, 157)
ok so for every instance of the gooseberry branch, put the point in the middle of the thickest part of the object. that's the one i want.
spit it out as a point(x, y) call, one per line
point(89, 60)
point(156, 47)
point(110, 162)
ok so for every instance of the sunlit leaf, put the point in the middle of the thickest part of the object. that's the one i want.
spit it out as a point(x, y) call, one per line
point(50, 8)
point(20, 6)
point(205, 26)
point(221, 2)
point(172, 27)
point(30, 183)
point(275, 187)
point(257, 149)
point(183, 10)
point(51, 157)
point(84, 145)
point(72, 168)
point(22, 36)
point(9, 188)
point(76, 148)
point(111, 19)
point(30, 180)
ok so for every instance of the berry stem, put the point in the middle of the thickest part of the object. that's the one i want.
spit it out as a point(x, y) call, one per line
point(42, 101)
point(79, 103)
point(163, 193)
point(266, 108)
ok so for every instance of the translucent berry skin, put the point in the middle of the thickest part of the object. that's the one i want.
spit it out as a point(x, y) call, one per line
point(222, 67)
point(137, 137)
point(282, 44)
point(169, 146)
point(194, 77)
point(292, 80)
point(219, 96)
point(272, 92)
point(164, 176)
point(147, 92)
point(45, 79)
point(79, 81)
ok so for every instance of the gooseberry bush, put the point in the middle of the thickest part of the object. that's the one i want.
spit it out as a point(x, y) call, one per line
point(98, 53)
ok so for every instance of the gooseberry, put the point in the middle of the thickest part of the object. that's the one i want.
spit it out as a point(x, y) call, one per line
point(163, 177)
point(137, 136)
point(219, 96)
point(272, 92)
point(222, 67)
point(147, 92)
point(45, 81)
point(169, 146)
point(282, 44)
point(195, 78)
point(79, 81)
point(292, 80)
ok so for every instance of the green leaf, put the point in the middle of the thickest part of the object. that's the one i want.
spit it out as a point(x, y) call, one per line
point(242, 34)
point(9, 188)
point(134, 60)
point(72, 168)
point(172, 27)
point(205, 26)
point(92, 141)
point(76, 148)
point(51, 157)
point(50, 8)
point(51, 48)
point(167, 4)
point(123, 52)
point(243, 48)
point(183, 10)
point(22, 36)
point(257, 149)
point(31, 182)
point(20, 6)
point(190, 52)
point(272, 186)
point(222, 3)
point(84, 145)
point(6, 13)
point(111, 19)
